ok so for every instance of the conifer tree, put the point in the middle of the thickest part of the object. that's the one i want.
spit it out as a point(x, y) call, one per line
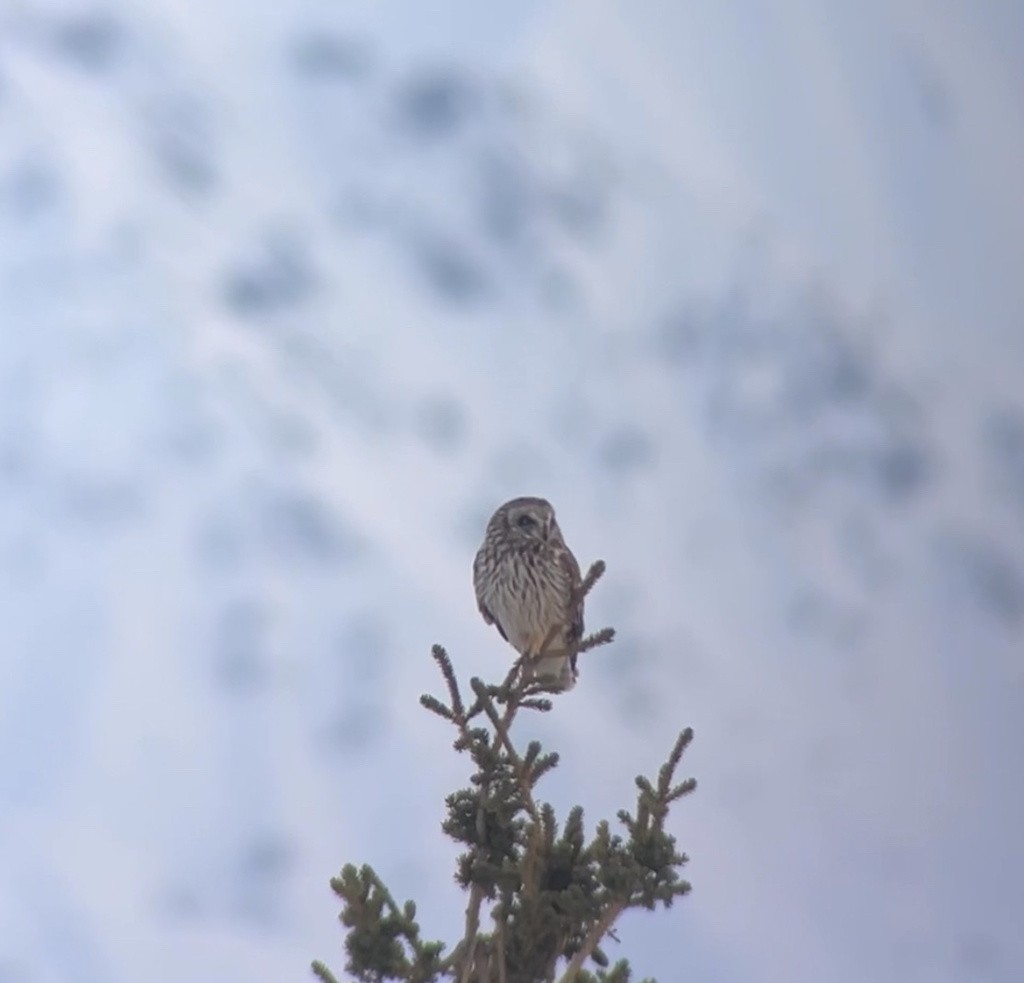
point(550, 895)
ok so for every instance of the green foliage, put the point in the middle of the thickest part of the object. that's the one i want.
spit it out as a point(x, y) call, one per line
point(552, 894)
point(383, 941)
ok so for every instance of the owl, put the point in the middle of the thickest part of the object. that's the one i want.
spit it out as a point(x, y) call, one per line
point(526, 580)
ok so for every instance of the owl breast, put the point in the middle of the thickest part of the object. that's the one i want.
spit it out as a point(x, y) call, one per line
point(528, 594)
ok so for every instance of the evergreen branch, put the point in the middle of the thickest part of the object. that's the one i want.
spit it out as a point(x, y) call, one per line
point(605, 635)
point(501, 729)
point(594, 574)
point(543, 766)
point(448, 671)
point(322, 972)
point(598, 638)
point(516, 684)
point(602, 637)
point(666, 793)
point(669, 767)
point(555, 897)
point(683, 788)
point(434, 705)
point(511, 677)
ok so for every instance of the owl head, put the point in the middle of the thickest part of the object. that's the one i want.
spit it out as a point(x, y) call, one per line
point(528, 519)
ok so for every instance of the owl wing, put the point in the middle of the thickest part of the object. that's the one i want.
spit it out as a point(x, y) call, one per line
point(574, 628)
point(487, 616)
point(490, 619)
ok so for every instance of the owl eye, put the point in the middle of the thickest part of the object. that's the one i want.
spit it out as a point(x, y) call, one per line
point(526, 521)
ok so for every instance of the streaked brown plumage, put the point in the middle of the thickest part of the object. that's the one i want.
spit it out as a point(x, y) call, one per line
point(526, 579)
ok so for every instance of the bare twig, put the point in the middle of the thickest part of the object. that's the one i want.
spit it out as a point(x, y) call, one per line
point(517, 684)
point(476, 897)
point(601, 928)
point(499, 950)
point(549, 638)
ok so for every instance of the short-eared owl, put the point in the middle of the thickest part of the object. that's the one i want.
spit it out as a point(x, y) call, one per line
point(526, 580)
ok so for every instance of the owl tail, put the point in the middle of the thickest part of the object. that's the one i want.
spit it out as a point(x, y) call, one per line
point(557, 670)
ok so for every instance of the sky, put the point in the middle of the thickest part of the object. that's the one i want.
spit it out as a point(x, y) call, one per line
point(293, 296)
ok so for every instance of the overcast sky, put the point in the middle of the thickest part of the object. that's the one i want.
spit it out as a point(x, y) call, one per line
point(291, 296)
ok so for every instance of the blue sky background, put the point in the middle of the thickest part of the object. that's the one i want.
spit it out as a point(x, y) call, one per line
point(293, 295)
